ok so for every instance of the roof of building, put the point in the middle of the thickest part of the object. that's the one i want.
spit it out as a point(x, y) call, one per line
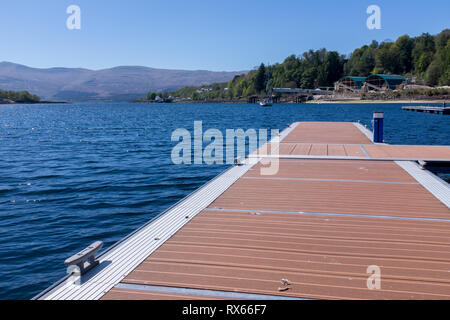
point(358, 80)
point(392, 80)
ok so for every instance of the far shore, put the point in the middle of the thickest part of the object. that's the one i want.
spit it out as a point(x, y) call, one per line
point(435, 101)
point(347, 101)
point(37, 102)
point(319, 101)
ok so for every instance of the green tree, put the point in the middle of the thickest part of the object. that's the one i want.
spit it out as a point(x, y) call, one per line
point(260, 78)
point(423, 52)
point(442, 39)
point(332, 69)
point(362, 61)
point(434, 73)
point(444, 80)
point(387, 59)
point(151, 96)
point(405, 47)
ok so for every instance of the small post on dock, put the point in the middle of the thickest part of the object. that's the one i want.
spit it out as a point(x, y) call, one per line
point(378, 127)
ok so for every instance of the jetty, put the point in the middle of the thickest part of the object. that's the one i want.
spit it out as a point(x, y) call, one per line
point(343, 218)
point(428, 109)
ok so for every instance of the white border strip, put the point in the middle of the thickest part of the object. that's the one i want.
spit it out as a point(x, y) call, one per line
point(436, 186)
point(363, 129)
point(121, 259)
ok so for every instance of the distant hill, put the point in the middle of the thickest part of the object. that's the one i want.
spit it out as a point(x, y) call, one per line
point(119, 83)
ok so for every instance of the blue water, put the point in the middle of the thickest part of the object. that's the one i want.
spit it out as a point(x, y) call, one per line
point(73, 174)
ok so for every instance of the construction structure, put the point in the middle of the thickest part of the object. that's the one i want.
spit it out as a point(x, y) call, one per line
point(382, 82)
point(298, 95)
point(349, 84)
point(371, 83)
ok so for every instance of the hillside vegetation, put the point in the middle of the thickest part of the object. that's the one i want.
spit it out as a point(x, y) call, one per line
point(18, 97)
point(425, 57)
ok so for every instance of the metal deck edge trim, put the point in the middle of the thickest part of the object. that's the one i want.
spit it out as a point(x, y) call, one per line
point(203, 292)
point(364, 130)
point(150, 236)
point(353, 215)
point(435, 185)
point(365, 151)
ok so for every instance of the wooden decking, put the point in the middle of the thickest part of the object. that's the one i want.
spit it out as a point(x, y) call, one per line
point(319, 224)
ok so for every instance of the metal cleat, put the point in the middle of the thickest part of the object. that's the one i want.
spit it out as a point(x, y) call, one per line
point(85, 259)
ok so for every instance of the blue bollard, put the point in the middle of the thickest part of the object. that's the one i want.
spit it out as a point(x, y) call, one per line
point(378, 127)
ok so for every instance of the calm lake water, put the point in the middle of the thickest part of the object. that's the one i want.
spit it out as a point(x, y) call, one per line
point(73, 174)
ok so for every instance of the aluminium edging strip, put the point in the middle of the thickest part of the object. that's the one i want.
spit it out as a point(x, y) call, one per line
point(364, 130)
point(436, 186)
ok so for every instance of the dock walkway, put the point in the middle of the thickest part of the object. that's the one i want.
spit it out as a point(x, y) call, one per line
point(338, 204)
point(428, 109)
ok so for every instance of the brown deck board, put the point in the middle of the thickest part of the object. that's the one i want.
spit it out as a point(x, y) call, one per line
point(320, 265)
point(337, 169)
point(412, 152)
point(327, 132)
point(383, 199)
point(258, 268)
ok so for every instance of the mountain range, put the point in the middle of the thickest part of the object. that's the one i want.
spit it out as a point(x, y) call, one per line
point(118, 84)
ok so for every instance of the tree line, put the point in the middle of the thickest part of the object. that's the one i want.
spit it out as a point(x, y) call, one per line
point(426, 57)
point(19, 97)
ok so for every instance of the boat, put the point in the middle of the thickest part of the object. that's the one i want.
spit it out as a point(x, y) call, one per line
point(265, 102)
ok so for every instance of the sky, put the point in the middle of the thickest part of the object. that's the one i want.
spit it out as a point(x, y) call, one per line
point(230, 35)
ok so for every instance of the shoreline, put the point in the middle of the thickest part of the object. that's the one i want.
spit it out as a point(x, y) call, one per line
point(40, 102)
point(403, 101)
point(358, 101)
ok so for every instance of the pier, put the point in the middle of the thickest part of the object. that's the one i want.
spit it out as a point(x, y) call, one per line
point(339, 207)
point(428, 109)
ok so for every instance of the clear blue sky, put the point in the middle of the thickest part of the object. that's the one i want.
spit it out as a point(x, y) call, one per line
point(200, 34)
